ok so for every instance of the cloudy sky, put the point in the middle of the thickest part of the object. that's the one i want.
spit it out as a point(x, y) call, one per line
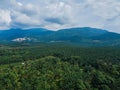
point(57, 14)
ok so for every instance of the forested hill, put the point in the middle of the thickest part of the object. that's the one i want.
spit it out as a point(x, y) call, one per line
point(81, 36)
point(59, 68)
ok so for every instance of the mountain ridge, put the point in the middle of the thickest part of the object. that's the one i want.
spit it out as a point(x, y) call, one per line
point(81, 36)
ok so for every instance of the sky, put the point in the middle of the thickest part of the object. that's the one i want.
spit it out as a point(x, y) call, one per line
point(59, 14)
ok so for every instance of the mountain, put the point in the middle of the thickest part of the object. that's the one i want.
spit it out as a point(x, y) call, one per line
point(11, 34)
point(79, 36)
point(76, 34)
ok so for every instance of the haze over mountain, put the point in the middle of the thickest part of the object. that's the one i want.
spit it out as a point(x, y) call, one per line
point(85, 36)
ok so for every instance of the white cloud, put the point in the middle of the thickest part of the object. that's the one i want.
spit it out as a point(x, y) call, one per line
point(56, 14)
point(5, 19)
point(20, 4)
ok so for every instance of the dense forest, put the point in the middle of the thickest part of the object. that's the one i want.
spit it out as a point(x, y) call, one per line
point(55, 67)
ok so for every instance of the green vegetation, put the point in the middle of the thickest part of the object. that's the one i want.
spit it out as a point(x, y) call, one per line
point(53, 67)
point(85, 36)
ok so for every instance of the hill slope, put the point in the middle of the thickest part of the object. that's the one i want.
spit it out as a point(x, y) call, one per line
point(80, 36)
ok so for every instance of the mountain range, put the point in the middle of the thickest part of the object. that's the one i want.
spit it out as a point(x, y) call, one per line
point(85, 36)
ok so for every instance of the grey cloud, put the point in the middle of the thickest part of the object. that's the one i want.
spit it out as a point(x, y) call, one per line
point(54, 20)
